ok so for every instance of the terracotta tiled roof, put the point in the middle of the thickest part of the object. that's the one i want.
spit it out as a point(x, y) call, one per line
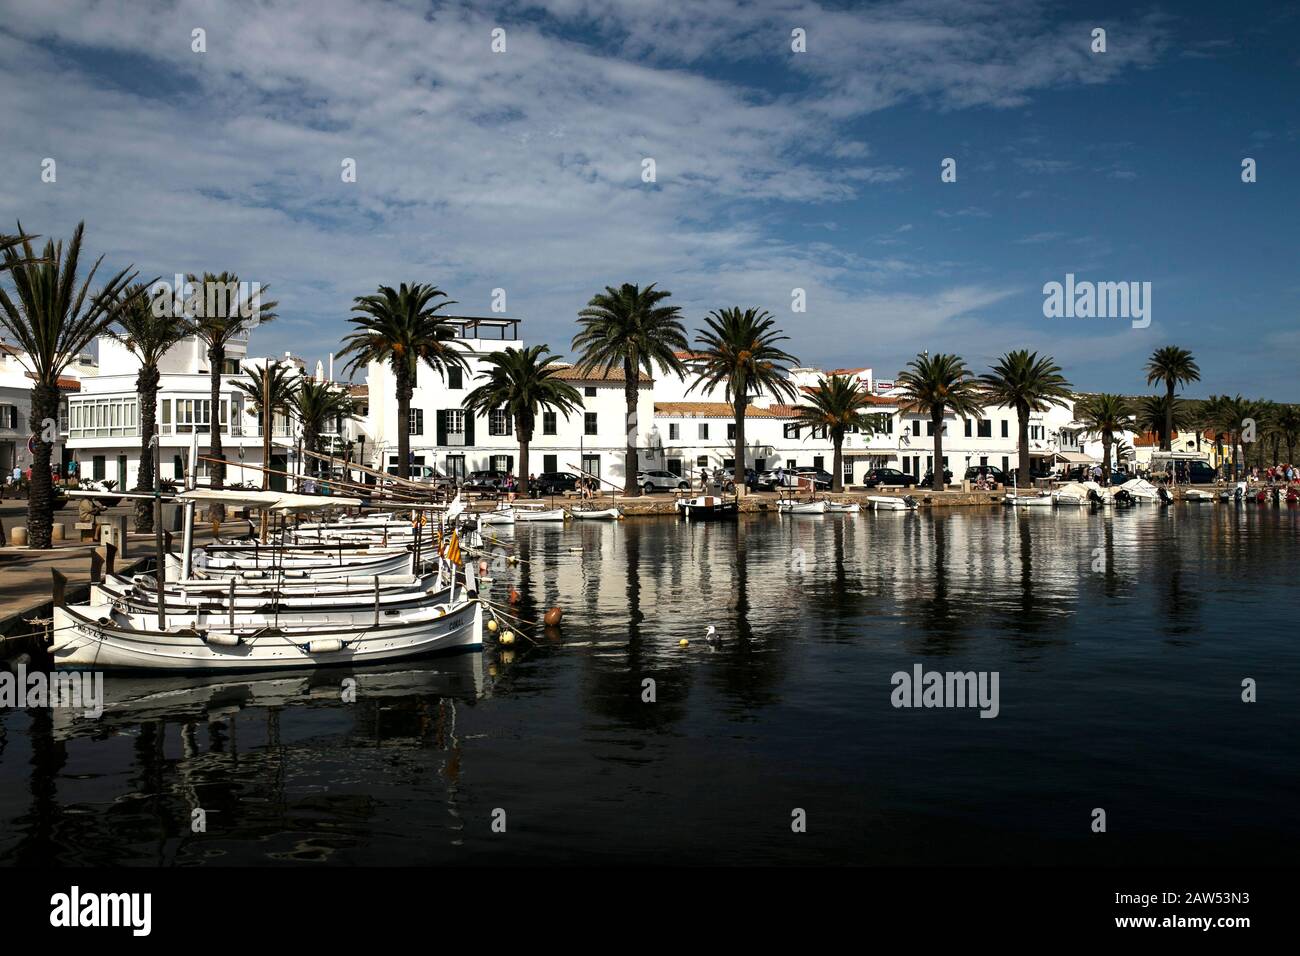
point(65, 383)
point(573, 374)
point(1148, 440)
point(846, 371)
point(689, 355)
point(720, 410)
point(870, 399)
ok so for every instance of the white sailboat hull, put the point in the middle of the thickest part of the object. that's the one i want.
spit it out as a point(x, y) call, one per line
point(550, 514)
point(888, 503)
point(608, 514)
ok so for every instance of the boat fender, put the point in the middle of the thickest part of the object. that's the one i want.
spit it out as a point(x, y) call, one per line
point(325, 646)
point(507, 637)
point(224, 640)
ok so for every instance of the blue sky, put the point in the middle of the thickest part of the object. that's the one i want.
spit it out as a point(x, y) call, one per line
point(776, 170)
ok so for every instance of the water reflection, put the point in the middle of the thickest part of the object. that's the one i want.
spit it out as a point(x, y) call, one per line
point(1105, 626)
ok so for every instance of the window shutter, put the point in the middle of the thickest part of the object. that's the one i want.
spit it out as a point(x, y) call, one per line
point(510, 423)
point(442, 426)
point(469, 427)
point(510, 464)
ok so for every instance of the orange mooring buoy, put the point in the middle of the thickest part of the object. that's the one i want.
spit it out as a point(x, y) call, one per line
point(553, 616)
point(514, 596)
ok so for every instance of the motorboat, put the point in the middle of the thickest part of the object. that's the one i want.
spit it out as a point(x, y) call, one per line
point(1142, 490)
point(1073, 493)
point(1198, 495)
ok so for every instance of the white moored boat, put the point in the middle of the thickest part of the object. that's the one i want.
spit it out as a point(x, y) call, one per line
point(537, 513)
point(1073, 493)
point(892, 503)
point(1198, 495)
point(789, 506)
point(106, 638)
point(842, 507)
point(605, 514)
point(502, 515)
point(1142, 490)
point(707, 506)
point(1028, 501)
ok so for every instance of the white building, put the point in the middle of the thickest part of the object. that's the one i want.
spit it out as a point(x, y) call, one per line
point(16, 427)
point(104, 420)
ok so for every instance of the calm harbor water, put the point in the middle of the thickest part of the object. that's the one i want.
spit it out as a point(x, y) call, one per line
point(1120, 641)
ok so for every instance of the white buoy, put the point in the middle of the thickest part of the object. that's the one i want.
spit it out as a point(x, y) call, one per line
point(711, 635)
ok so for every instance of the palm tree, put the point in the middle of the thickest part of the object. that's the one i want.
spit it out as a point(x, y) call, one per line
point(629, 329)
point(932, 384)
point(1158, 415)
point(1027, 383)
point(216, 314)
point(274, 386)
point(53, 321)
point(1174, 366)
point(402, 327)
point(1287, 424)
point(148, 329)
point(738, 351)
point(521, 383)
point(1235, 411)
point(317, 406)
point(838, 404)
point(1105, 415)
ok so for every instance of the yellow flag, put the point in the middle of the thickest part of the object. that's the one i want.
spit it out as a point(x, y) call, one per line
point(453, 549)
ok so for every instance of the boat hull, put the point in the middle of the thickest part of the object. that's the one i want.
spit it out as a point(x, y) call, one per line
point(789, 507)
point(112, 643)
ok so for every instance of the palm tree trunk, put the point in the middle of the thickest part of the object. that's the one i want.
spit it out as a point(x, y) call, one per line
point(146, 387)
point(738, 466)
point(630, 383)
point(837, 485)
point(404, 392)
point(40, 497)
point(1167, 442)
point(938, 482)
point(525, 439)
point(1022, 423)
point(1106, 439)
point(216, 362)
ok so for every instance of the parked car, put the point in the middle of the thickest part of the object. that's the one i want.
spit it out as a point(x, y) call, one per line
point(485, 481)
point(822, 479)
point(652, 481)
point(555, 482)
point(887, 476)
point(928, 480)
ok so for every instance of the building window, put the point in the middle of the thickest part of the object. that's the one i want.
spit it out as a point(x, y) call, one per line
point(97, 418)
point(591, 465)
point(454, 379)
point(702, 461)
point(548, 424)
point(704, 431)
point(498, 422)
point(968, 428)
point(985, 428)
point(455, 465)
point(589, 423)
point(790, 430)
point(589, 391)
point(549, 464)
point(416, 422)
point(674, 432)
point(1005, 464)
point(916, 429)
point(455, 421)
point(504, 463)
point(731, 431)
point(1004, 428)
point(929, 428)
point(819, 462)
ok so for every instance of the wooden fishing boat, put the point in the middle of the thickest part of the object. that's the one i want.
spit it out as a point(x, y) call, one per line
point(842, 507)
point(892, 502)
point(604, 514)
point(791, 506)
point(107, 638)
point(502, 515)
point(537, 513)
point(707, 506)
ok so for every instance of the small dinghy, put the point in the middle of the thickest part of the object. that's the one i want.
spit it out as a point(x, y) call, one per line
point(707, 506)
point(1028, 501)
point(1198, 495)
point(606, 514)
point(789, 506)
point(892, 502)
point(842, 508)
point(504, 515)
point(537, 513)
